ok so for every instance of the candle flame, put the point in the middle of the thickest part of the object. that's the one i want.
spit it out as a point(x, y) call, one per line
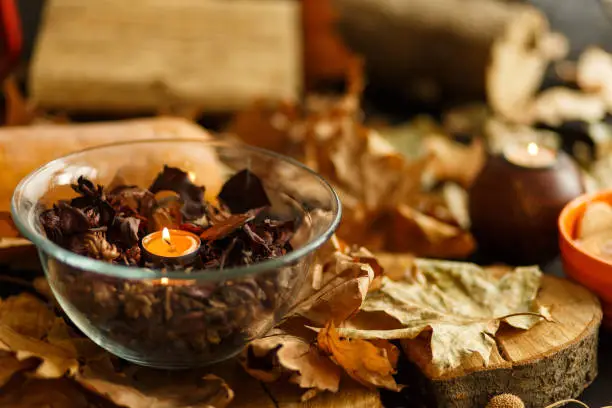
point(166, 236)
point(191, 175)
point(533, 149)
point(164, 281)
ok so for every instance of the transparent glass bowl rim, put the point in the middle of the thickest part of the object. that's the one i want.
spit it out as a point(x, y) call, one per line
point(130, 272)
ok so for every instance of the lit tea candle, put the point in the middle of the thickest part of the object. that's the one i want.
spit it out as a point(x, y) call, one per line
point(171, 246)
point(530, 155)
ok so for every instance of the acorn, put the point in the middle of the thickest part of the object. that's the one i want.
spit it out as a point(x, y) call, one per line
point(505, 401)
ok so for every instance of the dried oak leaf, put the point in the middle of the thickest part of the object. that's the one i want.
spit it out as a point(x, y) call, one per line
point(461, 304)
point(423, 235)
point(280, 353)
point(371, 363)
point(149, 388)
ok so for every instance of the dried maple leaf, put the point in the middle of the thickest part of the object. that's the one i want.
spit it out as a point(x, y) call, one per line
point(147, 388)
point(460, 303)
point(423, 235)
point(280, 353)
point(370, 363)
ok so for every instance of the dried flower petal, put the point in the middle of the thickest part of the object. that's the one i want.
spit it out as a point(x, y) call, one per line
point(174, 179)
point(244, 191)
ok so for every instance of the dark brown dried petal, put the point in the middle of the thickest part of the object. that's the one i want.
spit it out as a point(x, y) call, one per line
point(177, 180)
point(244, 191)
point(51, 224)
point(71, 220)
point(124, 231)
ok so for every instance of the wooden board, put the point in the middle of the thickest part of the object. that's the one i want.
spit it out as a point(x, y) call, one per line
point(550, 362)
point(142, 55)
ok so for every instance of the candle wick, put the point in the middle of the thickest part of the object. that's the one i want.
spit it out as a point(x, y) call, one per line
point(170, 244)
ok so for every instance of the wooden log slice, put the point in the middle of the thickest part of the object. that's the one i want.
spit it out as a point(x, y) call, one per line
point(550, 362)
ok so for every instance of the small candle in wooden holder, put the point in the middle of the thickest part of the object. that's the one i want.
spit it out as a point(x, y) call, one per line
point(530, 155)
point(170, 246)
point(516, 199)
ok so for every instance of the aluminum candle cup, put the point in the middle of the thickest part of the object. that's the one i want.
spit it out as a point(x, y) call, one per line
point(171, 247)
point(516, 199)
point(178, 317)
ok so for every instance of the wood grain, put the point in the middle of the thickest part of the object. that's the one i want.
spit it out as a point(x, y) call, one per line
point(550, 362)
point(113, 55)
point(250, 393)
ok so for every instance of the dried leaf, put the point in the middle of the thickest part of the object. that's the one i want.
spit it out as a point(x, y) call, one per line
point(593, 73)
point(28, 328)
point(347, 276)
point(223, 228)
point(26, 315)
point(453, 161)
point(61, 393)
point(460, 303)
point(456, 200)
point(370, 363)
point(10, 365)
point(280, 353)
point(18, 111)
point(7, 227)
point(265, 124)
point(413, 231)
point(149, 389)
point(56, 361)
point(558, 105)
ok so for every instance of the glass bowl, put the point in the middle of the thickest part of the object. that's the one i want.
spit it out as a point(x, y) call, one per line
point(178, 319)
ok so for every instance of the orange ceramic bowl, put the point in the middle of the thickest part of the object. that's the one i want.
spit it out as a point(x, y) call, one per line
point(589, 270)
